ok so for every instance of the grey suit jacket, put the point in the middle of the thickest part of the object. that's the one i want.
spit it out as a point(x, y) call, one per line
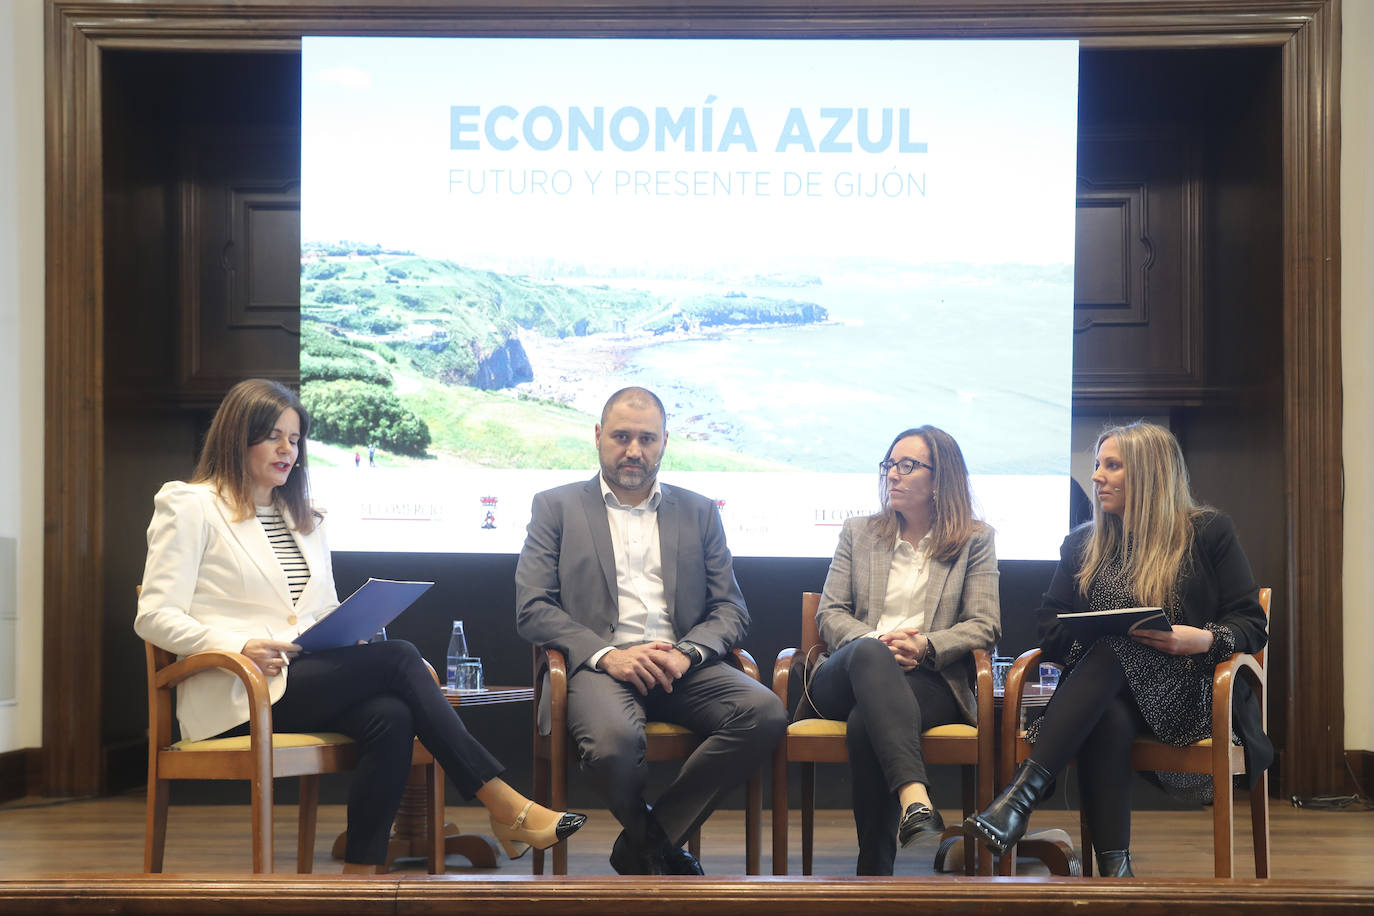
point(565, 581)
point(961, 608)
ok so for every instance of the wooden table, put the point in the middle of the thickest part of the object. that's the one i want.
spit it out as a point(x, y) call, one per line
point(408, 840)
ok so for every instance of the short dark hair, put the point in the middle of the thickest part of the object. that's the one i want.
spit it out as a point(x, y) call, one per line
point(246, 417)
point(642, 397)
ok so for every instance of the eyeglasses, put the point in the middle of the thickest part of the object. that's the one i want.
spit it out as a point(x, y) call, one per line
point(904, 467)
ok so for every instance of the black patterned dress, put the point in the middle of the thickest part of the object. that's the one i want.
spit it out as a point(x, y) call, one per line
point(1173, 692)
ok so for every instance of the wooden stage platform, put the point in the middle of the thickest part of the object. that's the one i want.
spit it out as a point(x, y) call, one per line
point(84, 857)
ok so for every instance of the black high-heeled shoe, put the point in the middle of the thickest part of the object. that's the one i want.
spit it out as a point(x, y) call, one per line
point(919, 820)
point(516, 839)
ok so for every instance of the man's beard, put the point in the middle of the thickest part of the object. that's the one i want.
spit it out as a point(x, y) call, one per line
point(631, 476)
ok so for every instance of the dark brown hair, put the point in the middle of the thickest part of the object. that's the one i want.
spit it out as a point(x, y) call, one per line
point(246, 417)
point(953, 523)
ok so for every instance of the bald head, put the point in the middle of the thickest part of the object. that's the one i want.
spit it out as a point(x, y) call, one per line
point(641, 398)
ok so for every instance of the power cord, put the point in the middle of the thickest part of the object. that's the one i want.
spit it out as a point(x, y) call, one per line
point(1357, 802)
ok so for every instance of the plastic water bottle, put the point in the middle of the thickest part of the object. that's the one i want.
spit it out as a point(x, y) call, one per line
point(457, 649)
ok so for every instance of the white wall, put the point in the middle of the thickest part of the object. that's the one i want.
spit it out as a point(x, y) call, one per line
point(1357, 348)
point(21, 370)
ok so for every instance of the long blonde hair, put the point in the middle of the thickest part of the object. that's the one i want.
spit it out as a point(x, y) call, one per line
point(953, 523)
point(245, 417)
point(1157, 521)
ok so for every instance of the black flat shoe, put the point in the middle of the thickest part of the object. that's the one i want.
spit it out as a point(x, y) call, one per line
point(920, 820)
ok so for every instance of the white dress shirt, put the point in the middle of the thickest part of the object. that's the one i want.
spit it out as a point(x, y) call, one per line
point(906, 585)
point(642, 602)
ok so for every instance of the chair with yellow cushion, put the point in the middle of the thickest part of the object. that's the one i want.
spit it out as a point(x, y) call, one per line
point(813, 741)
point(663, 741)
point(258, 756)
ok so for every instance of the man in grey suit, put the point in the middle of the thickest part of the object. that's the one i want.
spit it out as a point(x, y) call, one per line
point(633, 582)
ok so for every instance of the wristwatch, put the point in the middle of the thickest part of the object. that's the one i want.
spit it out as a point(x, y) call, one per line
point(694, 656)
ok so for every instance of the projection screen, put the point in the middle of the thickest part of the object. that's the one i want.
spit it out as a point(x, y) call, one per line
point(802, 246)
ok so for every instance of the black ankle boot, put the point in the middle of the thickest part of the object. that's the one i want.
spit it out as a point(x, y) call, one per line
point(1004, 821)
point(1114, 863)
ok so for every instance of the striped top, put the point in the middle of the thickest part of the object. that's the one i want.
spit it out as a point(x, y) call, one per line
point(287, 550)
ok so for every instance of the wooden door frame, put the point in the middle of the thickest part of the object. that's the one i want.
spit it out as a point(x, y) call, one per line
point(77, 32)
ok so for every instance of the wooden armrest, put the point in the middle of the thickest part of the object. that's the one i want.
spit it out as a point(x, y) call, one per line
point(556, 664)
point(237, 664)
point(1223, 687)
point(742, 660)
point(787, 661)
point(1011, 705)
point(982, 678)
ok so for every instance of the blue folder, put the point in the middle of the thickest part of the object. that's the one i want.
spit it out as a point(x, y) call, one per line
point(363, 613)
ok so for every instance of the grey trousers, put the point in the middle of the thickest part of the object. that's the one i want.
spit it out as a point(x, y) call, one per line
point(740, 719)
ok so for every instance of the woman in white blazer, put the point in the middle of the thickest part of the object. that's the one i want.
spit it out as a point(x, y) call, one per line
point(237, 561)
point(910, 593)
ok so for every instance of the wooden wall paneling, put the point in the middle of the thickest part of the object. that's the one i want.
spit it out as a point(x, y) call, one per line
point(139, 172)
point(1312, 403)
point(73, 484)
point(240, 253)
point(1234, 443)
point(18, 773)
point(1137, 309)
point(148, 438)
point(1306, 31)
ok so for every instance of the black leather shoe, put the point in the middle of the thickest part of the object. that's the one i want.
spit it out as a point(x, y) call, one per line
point(1004, 821)
point(920, 820)
point(630, 858)
point(674, 859)
point(1115, 863)
point(678, 861)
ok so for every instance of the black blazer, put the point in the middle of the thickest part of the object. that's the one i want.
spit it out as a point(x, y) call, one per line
point(1217, 587)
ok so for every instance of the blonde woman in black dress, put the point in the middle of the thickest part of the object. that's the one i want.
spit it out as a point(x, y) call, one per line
point(1149, 544)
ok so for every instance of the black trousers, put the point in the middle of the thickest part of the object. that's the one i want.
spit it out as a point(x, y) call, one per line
point(1094, 717)
point(383, 697)
point(885, 709)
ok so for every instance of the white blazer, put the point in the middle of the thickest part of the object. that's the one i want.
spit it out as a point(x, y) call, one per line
point(211, 582)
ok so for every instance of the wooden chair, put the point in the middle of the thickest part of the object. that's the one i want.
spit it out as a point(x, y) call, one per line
point(663, 741)
point(259, 757)
point(812, 741)
point(1216, 756)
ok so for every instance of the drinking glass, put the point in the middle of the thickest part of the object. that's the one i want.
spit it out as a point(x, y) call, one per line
point(467, 675)
point(1001, 664)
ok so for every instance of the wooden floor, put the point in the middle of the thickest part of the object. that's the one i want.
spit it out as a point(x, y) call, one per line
point(105, 836)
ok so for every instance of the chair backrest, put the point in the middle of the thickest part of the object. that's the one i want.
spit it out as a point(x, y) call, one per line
point(810, 632)
point(159, 698)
